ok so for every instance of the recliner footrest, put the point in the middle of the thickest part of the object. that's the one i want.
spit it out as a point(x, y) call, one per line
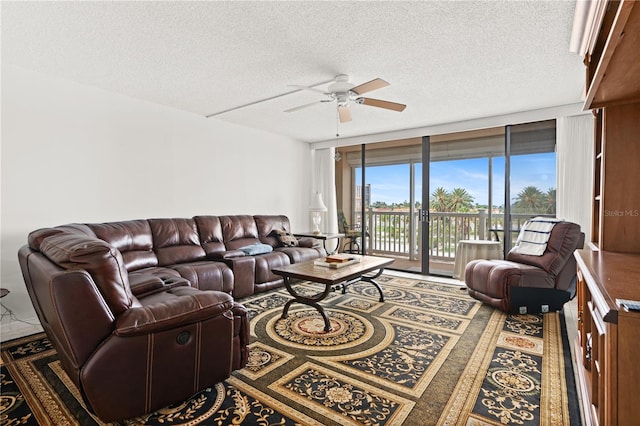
point(533, 300)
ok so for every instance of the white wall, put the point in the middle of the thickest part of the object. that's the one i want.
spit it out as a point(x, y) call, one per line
point(72, 153)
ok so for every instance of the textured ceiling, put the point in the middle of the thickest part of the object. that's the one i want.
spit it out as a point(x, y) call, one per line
point(448, 61)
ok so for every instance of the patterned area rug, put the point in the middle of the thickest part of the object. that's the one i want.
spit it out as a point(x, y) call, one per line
point(428, 355)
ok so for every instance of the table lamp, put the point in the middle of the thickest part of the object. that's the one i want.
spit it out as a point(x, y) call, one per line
point(317, 206)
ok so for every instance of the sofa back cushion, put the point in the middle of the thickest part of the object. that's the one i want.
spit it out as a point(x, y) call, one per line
point(175, 241)
point(132, 238)
point(101, 260)
point(564, 239)
point(238, 231)
point(210, 231)
point(268, 224)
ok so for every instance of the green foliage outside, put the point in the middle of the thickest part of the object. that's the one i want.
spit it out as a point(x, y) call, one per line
point(530, 200)
point(458, 200)
point(393, 227)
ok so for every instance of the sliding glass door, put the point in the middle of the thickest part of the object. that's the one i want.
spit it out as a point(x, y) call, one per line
point(393, 201)
point(476, 185)
point(462, 200)
point(531, 174)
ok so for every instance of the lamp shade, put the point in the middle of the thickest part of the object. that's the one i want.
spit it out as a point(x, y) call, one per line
point(317, 205)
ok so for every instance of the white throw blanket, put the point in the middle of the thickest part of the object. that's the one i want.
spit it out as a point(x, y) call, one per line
point(534, 236)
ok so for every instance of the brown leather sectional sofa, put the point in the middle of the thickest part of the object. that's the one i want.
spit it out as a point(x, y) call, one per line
point(142, 313)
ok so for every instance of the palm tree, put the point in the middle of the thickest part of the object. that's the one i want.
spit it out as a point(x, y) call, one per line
point(529, 200)
point(550, 201)
point(439, 200)
point(460, 200)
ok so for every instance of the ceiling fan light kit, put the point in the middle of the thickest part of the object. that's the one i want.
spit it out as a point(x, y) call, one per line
point(344, 93)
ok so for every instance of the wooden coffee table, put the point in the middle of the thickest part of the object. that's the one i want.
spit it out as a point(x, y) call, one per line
point(333, 279)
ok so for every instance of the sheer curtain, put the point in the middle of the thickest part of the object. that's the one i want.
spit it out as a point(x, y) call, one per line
point(324, 181)
point(575, 170)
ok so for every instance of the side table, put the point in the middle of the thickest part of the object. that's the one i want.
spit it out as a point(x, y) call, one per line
point(468, 250)
point(324, 238)
point(5, 310)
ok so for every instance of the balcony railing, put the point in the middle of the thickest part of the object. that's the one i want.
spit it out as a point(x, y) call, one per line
point(390, 232)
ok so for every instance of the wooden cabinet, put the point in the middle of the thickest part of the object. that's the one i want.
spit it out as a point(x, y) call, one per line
point(616, 200)
point(613, 69)
point(613, 92)
point(608, 341)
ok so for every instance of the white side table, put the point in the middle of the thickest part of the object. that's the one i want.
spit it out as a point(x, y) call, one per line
point(468, 250)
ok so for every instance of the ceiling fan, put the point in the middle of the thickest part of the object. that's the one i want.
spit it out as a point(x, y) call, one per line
point(344, 93)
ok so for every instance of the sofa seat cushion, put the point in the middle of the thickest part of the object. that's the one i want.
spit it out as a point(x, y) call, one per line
point(207, 275)
point(495, 277)
point(270, 285)
point(145, 284)
point(161, 272)
point(302, 254)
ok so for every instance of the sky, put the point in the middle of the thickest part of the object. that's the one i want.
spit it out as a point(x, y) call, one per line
point(390, 184)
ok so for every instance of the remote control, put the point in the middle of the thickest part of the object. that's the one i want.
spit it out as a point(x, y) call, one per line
point(629, 305)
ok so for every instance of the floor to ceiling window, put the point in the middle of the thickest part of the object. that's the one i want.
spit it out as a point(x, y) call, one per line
point(466, 180)
point(531, 168)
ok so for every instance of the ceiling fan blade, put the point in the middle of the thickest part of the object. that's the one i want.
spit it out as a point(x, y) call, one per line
point(313, 89)
point(302, 106)
point(344, 112)
point(375, 84)
point(382, 104)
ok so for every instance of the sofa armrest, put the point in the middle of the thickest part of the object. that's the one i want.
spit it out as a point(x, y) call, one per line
point(241, 336)
point(173, 308)
point(308, 242)
point(240, 312)
point(244, 275)
point(100, 259)
point(229, 254)
point(84, 325)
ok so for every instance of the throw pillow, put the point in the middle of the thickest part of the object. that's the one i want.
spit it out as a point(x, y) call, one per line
point(286, 239)
point(534, 236)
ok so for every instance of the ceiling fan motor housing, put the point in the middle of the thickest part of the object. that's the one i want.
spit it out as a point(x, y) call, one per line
point(343, 92)
point(342, 98)
point(341, 85)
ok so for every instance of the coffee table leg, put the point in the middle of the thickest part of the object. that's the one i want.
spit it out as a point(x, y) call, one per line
point(327, 323)
point(309, 301)
point(371, 279)
point(285, 311)
point(366, 278)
